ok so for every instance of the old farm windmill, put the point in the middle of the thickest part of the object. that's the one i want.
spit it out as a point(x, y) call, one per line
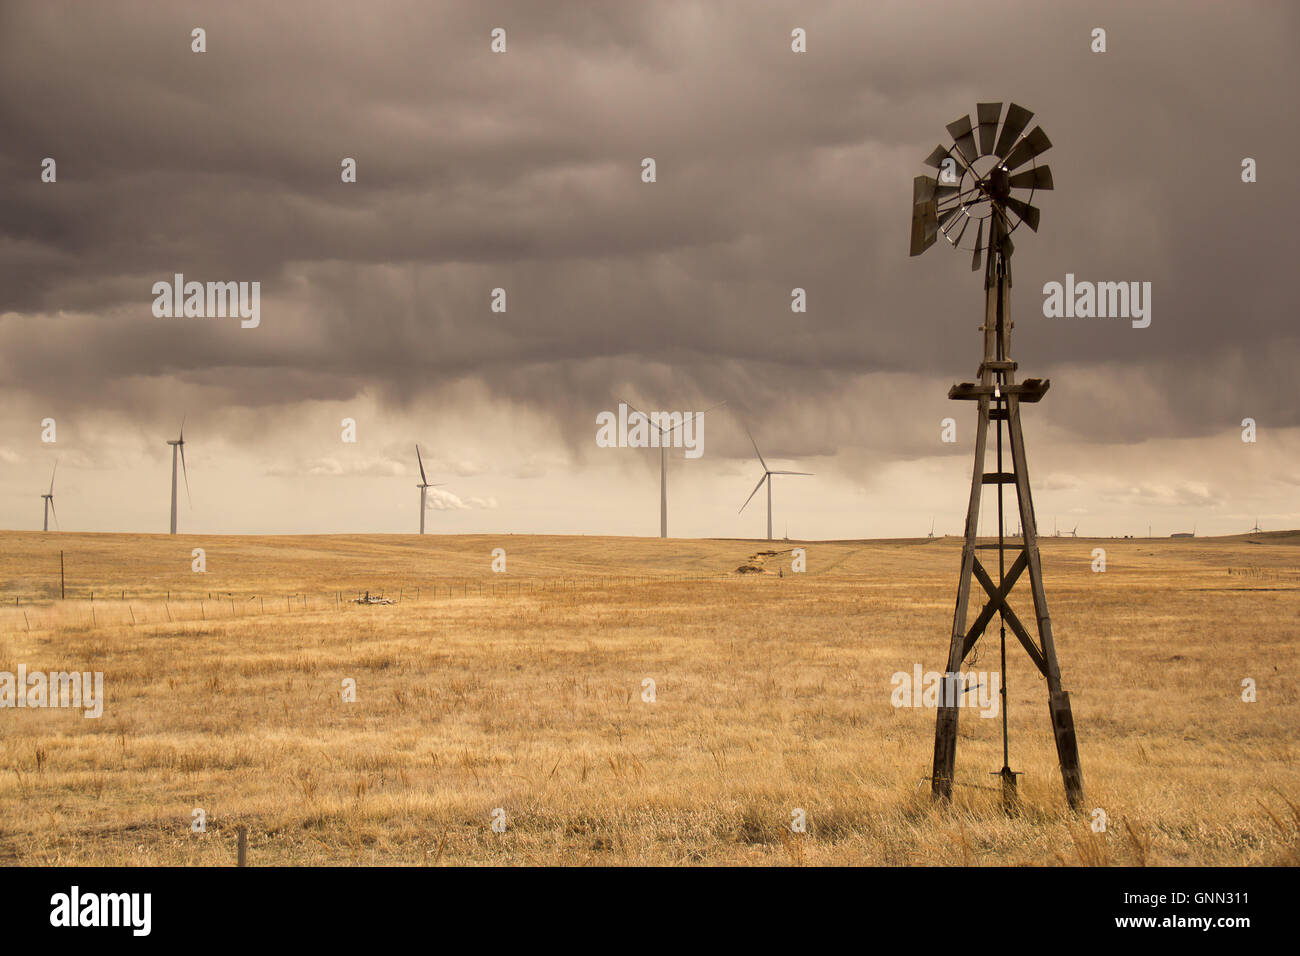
point(979, 183)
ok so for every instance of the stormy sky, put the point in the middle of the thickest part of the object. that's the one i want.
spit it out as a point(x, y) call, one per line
point(522, 171)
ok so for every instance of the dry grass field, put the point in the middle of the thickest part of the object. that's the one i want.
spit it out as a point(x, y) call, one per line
point(523, 691)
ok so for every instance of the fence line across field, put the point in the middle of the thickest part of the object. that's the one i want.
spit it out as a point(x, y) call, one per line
point(122, 607)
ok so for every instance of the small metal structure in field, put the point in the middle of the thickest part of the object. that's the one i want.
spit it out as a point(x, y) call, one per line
point(977, 183)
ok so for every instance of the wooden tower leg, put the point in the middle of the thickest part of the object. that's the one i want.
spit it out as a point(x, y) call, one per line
point(1067, 747)
point(945, 730)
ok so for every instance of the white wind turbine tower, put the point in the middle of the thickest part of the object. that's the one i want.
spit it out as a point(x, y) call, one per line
point(767, 476)
point(179, 446)
point(424, 487)
point(49, 502)
point(663, 460)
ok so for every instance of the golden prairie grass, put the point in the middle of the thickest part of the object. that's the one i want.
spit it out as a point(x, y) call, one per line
point(524, 691)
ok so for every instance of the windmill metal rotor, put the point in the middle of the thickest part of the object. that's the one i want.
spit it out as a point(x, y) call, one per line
point(978, 181)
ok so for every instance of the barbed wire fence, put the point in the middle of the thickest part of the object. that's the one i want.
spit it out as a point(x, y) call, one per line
point(89, 606)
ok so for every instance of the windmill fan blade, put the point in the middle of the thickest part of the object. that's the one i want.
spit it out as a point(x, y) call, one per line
point(52, 474)
point(754, 492)
point(963, 138)
point(1028, 214)
point(987, 114)
point(186, 472)
point(947, 216)
point(421, 461)
point(1040, 177)
point(936, 157)
point(1029, 147)
point(965, 221)
point(975, 258)
point(807, 474)
point(1017, 119)
point(55, 513)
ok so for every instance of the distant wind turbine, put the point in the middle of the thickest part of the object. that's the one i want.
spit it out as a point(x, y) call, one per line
point(1255, 530)
point(931, 527)
point(49, 501)
point(179, 446)
point(424, 487)
point(663, 460)
point(767, 476)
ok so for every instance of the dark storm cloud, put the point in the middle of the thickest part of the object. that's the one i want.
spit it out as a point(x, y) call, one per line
point(522, 171)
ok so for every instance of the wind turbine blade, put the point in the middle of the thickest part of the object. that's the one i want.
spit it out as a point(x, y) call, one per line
point(182, 435)
point(421, 461)
point(808, 473)
point(692, 415)
point(55, 513)
point(756, 451)
point(52, 474)
point(186, 473)
point(633, 408)
point(754, 492)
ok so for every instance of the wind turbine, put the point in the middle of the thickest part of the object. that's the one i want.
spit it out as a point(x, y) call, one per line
point(424, 487)
point(49, 501)
point(179, 446)
point(931, 527)
point(1255, 530)
point(767, 476)
point(663, 460)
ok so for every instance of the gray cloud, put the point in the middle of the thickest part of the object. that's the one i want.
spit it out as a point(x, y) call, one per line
point(522, 171)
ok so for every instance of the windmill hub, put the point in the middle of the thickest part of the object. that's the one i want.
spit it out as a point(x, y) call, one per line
point(999, 182)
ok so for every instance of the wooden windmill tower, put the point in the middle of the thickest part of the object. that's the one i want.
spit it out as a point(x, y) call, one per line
point(978, 182)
